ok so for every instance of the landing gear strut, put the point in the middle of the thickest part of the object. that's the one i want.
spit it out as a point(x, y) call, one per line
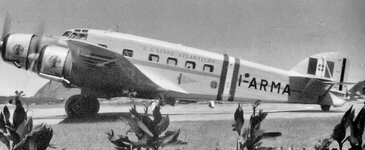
point(82, 106)
point(325, 108)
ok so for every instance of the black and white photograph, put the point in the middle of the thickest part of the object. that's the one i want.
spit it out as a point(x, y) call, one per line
point(182, 74)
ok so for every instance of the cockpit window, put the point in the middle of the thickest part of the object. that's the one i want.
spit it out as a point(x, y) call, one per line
point(67, 33)
point(81, 36)
point(73, 35)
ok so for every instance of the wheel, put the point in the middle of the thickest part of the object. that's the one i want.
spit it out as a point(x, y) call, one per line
point(325, 108)
point(82, 106)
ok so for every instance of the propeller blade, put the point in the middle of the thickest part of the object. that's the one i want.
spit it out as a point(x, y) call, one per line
point(39, 32)
point(6, 25)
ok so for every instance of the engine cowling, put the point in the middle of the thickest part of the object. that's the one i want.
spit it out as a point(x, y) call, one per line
point(18, 48)
point(54, 63)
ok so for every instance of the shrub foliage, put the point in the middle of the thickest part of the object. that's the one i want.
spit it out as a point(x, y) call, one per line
point(250, 137)
point(20, 134)
point(147, 130)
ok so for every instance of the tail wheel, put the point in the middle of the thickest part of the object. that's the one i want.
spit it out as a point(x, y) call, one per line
point(82, 106)
point(325, 108)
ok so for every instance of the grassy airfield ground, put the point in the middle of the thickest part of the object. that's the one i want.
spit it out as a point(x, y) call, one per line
point(302, 132)
point(202, 127)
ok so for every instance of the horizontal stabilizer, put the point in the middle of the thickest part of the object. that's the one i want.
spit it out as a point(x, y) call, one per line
point(338, 83)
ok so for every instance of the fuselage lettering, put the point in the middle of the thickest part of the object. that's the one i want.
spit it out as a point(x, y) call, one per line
point(263, 84)
point(253, 83)
point(274, 87)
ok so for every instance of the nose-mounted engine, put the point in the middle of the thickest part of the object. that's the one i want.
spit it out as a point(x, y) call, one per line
point(20, 49)
point(54, 63)
point(26, 51)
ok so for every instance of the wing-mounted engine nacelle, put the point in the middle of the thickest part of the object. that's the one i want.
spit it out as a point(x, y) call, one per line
point(55, 63)
point(20, 49)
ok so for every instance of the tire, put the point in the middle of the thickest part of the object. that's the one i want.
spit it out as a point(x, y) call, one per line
point(325, 108)
point(79, 106)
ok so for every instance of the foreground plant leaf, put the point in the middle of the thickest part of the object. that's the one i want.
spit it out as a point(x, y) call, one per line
point(339, 132)
point(122, 142)
point(39, 138)
point(147, 131)
point(162, 125)
point(6, 114)
point(251, 137)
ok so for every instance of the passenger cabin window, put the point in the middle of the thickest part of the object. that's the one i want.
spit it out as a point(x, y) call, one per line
point(128, 53)
point(171, 61)
point(67, 33)
point(153, 57)
point(190, 65)
point(208, 68)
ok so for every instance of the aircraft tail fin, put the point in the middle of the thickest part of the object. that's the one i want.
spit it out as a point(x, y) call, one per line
point(330, 66)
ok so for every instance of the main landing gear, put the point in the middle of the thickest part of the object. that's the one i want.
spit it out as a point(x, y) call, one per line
point(325, 108)
point(82, 106)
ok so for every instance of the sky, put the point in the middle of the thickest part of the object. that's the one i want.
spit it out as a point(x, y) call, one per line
point(277, 33)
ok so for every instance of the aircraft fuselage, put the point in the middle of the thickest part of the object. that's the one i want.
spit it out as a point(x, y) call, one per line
point(203, 74)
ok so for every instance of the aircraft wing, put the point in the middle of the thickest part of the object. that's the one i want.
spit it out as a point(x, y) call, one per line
point(83, 51)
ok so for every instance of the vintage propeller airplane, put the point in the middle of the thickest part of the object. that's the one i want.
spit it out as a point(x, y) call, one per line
point(104, 63)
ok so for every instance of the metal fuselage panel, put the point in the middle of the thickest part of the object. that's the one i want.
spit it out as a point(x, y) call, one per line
point(229, 78)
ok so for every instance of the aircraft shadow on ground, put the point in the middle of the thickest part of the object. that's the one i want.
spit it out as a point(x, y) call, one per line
point(101, 117)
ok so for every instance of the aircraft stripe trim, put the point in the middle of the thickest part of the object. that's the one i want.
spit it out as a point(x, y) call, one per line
point(173, 68)
point(222, 79)
point(342, 73)
point(234, 79)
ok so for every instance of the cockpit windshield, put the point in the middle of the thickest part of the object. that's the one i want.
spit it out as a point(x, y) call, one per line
point(81, 36)
point(67, 33)
point(76, 35)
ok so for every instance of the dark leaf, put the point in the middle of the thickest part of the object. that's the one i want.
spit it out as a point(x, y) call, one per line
point(135, 127)
point(162, 125)
point(157, 116)
point(339, 132)
point(144, 128)
point(148, 122)
point(19, 116)
point(12, 135)
point(121, 143)
point(42, 135)
point(171, 138)
point(6, 115)
point(134, 112)
point(360, 121)
point(5, 140)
